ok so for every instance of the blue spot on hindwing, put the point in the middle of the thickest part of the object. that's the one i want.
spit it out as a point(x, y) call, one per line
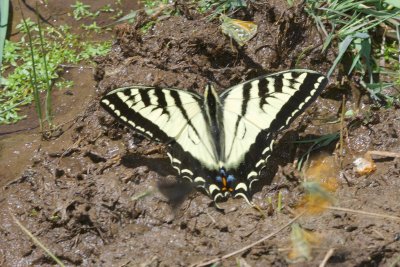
point(230, 179)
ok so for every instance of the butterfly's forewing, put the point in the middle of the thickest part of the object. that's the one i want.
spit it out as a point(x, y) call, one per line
point(170, 116)
point(256, 109)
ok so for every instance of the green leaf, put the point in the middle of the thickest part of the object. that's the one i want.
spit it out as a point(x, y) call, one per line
point(395, 3)
point(344, 45)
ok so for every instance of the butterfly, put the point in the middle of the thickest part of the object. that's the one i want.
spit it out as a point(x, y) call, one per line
point(239, 30)
point(218, 142)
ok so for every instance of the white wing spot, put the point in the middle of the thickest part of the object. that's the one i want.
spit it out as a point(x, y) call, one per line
point(259, 163)
point(271, 84)
point(140, 129)
point(241, 186)
point(218, 196)
point(212, 188)
point(301, 78)
point(105, 101)
point(286, 89)
point(177, 161)
point(252, 181)
point(122, 96)
point(112, 106)
point(188, 178)
point(129, 103)
point(170, 157)
point(199, 180)
point(245, 198)
point(187, 171)
point(288, 119)
point(122, 117)
point(251, 174)
point(117, 112)
point(288, 76)
point(178, 170)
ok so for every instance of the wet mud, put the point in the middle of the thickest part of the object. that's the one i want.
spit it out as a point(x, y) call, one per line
point(100, 195)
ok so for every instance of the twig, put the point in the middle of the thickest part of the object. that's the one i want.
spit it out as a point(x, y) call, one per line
point(327, 257)
point(365, 213)
point(37, 242)
point(342, 131)
point(205, 263)
point(384, 153)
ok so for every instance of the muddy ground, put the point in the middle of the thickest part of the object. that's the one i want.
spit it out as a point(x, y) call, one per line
point(99, 195)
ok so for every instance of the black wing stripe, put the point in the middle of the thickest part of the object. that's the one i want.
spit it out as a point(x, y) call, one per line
point(145, 98)
point(262, 91)
point(300, 100)
point(278, 84)
point(124, 113)
point(246, 96)
point(162, 102)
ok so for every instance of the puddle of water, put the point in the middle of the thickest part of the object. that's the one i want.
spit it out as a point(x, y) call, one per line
point(18, 142)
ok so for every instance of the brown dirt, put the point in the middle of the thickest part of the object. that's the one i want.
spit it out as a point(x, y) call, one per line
point(101, 196)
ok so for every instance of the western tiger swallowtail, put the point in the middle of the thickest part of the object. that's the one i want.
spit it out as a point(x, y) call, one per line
point(219, 142)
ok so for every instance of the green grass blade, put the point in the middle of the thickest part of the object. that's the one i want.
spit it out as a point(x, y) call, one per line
point(343, 46)
point(322, 141)
point(48, 81)
point(33, 75)
point(4, 9)
point(37, 242)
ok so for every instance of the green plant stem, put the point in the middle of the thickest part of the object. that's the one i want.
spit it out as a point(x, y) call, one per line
point(48, 81)
point(32, 75)
point(37, 242)
point(4, 8)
